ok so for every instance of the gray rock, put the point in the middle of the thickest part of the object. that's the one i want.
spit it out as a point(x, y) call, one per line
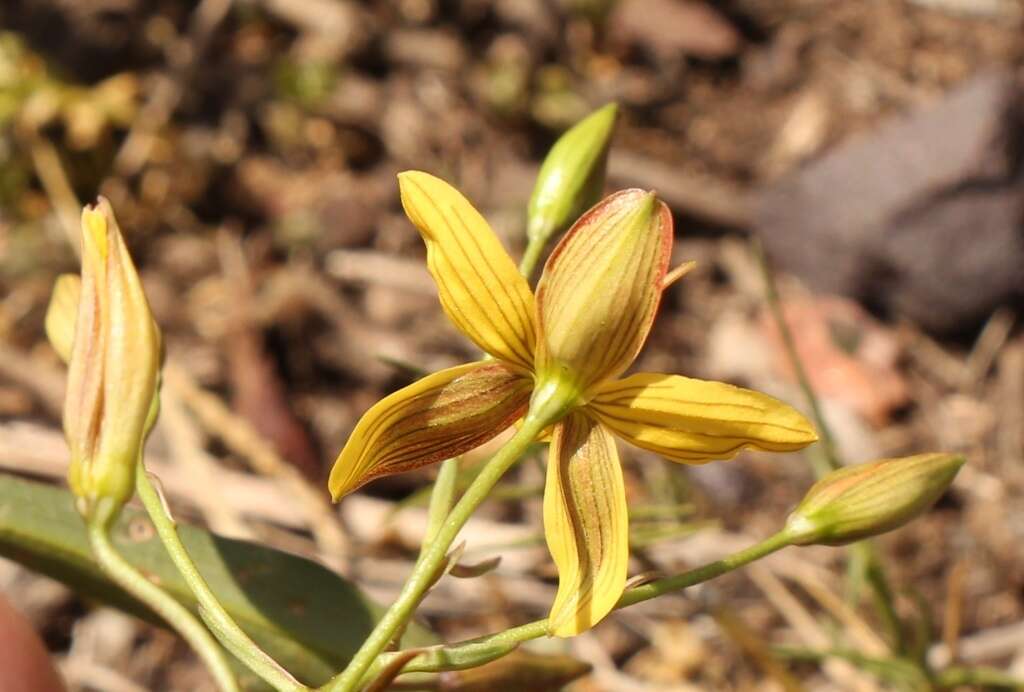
point(921, 218)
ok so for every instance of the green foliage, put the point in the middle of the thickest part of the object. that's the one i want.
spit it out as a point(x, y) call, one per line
point(305, 616)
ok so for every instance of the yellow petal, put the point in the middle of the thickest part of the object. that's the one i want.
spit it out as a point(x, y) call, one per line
point(600, 289)
point(61, 314)
point(480, 288)
point(83, 400)
point(694, 421)
point(586, 524)
point(438, 417)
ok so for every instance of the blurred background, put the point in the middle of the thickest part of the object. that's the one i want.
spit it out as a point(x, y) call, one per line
point(249, 149)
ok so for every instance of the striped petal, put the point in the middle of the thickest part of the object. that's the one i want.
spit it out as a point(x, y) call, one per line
point(695, 421)
point(441, 416)
point(585, 523)
point(480, 288)
point(600, 289)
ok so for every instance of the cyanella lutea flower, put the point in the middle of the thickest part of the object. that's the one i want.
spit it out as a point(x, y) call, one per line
point(560, 354)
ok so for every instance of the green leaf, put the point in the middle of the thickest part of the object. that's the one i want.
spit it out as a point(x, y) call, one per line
point(305, 616)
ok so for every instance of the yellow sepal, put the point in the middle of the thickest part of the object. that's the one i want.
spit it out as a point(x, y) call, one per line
point(438, 417)
point(695, 421)
point(480, 288)
point(61, 314)
point(600, 289)
point(586, 524)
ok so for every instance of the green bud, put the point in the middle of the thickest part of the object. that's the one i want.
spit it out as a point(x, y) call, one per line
point(868, 499)
point(61, 314)
point(113, 366)
point(571, 179)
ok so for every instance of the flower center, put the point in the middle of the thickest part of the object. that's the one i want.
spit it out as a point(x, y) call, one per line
point(556, 393)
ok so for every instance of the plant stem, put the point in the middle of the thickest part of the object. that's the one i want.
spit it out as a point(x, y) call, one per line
point(442, 497)
point(474, 652)
point(704, 573)
point(426, 568)
point(881, 593)
point(831, 455)
point(958, 676)
point(900, 672)
point(531, 255)
point(227, 631)
point(864, 551)
point(162, 603)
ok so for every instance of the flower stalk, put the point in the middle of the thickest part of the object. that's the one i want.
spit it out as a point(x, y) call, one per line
point(863, 553)
point(216, 617)
point(99, 524)
point(845, 505)
point(426, 568)
point(475, 652)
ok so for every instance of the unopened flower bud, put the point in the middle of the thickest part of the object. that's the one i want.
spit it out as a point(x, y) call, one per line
point(868, 499)
point(571, 179)
point(114, 364)
point(61, 314)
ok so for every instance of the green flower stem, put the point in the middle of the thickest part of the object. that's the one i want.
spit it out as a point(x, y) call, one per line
point(531, 255)
point(427, 566)
point(957, 676)
point(864, 552)
point(213, 613)
point(898, 672)
point(881, 593)
point(162, 603)
point(704, 573)
point(442, 497)
point(476, 652)
point(829, 461)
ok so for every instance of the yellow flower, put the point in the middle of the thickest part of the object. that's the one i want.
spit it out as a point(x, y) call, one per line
point(562, 353)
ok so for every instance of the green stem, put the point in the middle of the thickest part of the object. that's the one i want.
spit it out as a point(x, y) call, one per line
point(159, 601)
point(426, 568)
point(706, 572)
point(864, 551)
point(957, 676)
point(831, 456)
point(881, 593)
point(474, 652)
point(531, 255)
point(900, 672)
point(216, 617)
point(442, 497)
